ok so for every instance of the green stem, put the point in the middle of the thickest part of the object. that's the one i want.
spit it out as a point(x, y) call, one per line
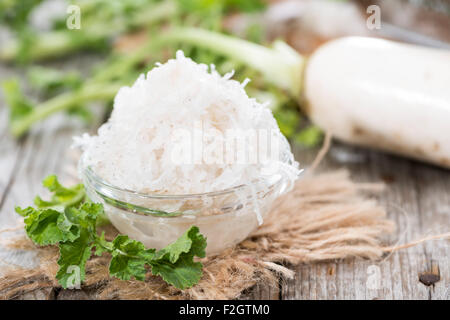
point(281, 64)
point(52, 44)
point(121, 64)
point(63, 102)
point(156, 13)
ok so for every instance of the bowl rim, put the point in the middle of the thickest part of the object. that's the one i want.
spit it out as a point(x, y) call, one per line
point(88, 172)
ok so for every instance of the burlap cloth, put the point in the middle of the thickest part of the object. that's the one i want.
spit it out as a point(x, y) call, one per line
point(326, 216)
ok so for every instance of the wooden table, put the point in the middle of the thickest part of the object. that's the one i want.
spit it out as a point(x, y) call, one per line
point(417, 198)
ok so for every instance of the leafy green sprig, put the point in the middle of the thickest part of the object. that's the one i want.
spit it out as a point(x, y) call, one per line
point(70, 221)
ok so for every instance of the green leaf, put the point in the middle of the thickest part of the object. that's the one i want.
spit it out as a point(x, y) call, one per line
point(42, 204)
point(175, 263)
point(88, 215)
point(191, 242)
point(62, 197)
point(72, 260)
point(129, 258)
point(67, 227)
point(52, 184)
point(72, 225)
point(24, 212)
point(126, 246)
point(102, 245)
point(125, 268)
point(183, 274)
point(47, 227)
point(57, 220)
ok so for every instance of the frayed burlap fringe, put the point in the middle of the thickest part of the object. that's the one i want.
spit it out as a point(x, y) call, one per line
point(325, 217)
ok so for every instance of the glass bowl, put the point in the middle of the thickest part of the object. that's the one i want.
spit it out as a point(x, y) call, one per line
point(225, 217)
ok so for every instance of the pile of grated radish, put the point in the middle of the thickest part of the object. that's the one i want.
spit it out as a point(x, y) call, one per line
point(151, 120)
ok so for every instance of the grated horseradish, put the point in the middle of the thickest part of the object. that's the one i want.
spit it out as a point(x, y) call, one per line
point(185, 130)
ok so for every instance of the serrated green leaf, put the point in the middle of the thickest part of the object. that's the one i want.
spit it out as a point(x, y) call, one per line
point(127, 245)
point(102, 245)
point(73, 227)
point(52, 184)
point(67, 224)
point(129, 258)
point(72, 260)
point(62, 196)
point(191, 242)
point(126, 268)
point(175, 263)
point(88, 214)
point(42, 204)
point(24, 212)
point(42, 226)
point(183, 274)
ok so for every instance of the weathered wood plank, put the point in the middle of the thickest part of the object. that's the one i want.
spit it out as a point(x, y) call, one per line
point(261, 292)
point(10, 150)
point(399, 270)
point(434, 204)
point(405, 200)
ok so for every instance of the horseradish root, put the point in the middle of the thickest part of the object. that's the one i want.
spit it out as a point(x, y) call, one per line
point(382, 94)
point(365, 91)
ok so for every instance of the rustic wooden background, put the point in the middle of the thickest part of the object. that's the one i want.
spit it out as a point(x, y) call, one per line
point(417, 198)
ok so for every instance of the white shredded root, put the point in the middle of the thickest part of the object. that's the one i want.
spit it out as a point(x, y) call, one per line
point(160, 113)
